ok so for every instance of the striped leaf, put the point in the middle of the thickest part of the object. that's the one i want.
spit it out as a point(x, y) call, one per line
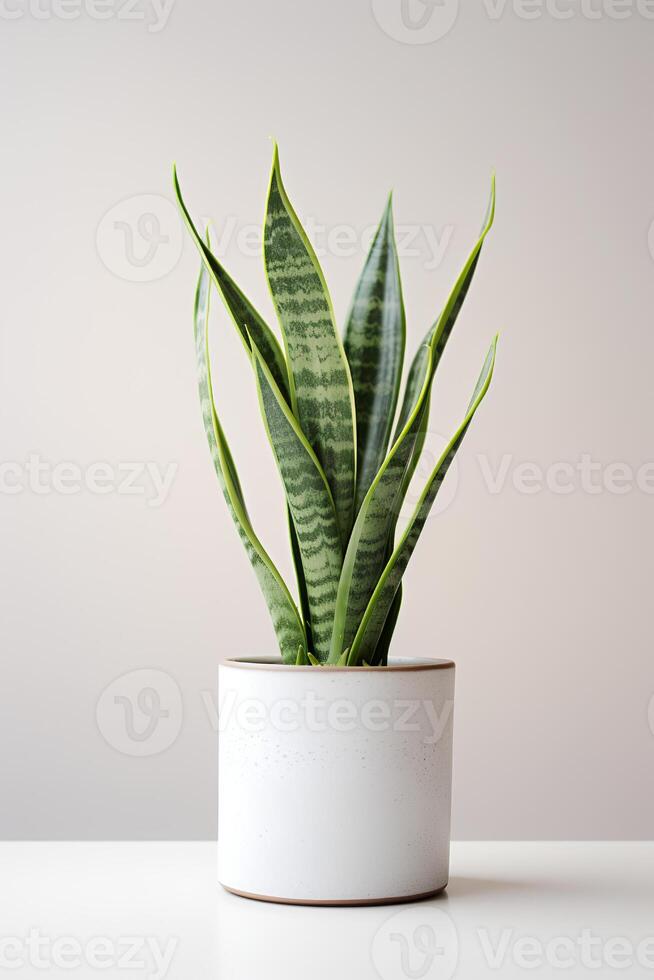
point(371, 535)
point(286, 620)
point(299, 576)
point(380, 656)
point(439, 333)
point(247, 320)
point(321, 388)
point(437, 337)
point(381, 603)
point(375, 523)
point(302, 658)
point(374, 345)
point(310, 503)
point(415, 380)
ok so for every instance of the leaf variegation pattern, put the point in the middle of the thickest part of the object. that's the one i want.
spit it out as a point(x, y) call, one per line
point(328, 408)
point(287, 623)
point(375, 523)
point(375, 337)
point(240, 309)
point(381, 602)
point(310, 503)
point(319, 377)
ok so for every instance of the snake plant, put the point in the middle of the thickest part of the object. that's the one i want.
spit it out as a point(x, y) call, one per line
point(328, 406)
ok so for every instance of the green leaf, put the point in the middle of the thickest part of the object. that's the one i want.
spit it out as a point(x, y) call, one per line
point(320, 385)
point(380, 656)
point(439, 333)
point(366, 552)
point(302, 659)
point(245, 317)
point(381, 602)
point(286, 620)
point(374, 526)
point(374, 345)
point(415, 380)
point(299, 575)
point(310, 503)
point(313, 660)
point(242, 313)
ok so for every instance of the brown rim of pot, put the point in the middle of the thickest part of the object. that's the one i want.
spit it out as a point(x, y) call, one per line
point(263, 663)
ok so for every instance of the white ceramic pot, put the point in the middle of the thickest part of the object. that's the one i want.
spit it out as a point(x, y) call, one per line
point(335, 783)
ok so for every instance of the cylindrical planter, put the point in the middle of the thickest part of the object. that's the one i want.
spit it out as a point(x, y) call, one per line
point(335, 783)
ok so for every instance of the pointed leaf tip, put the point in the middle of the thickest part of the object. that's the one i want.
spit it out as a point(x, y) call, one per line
point(288, 625)
point(490, 217)
point(319, 377)
point(310, 502)
point(301, 660)
point(387, 215)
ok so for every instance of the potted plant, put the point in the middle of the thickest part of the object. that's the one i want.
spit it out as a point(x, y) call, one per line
point(335, 761)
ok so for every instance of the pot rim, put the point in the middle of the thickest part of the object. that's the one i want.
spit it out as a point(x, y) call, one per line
point(275, 664)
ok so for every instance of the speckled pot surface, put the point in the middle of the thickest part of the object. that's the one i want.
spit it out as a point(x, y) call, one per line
point(335, 783)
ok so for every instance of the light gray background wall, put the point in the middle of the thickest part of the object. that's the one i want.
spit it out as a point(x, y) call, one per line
point(543, 597)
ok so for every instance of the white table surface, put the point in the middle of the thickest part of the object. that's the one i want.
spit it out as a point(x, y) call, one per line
point(511, 910)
